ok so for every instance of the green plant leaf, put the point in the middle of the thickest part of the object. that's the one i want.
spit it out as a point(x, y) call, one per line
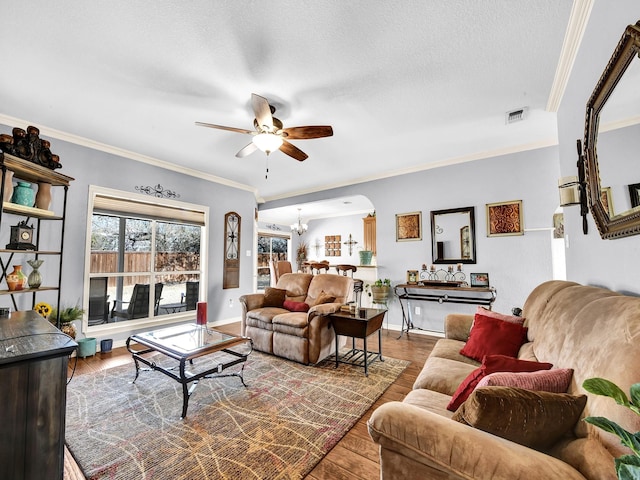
point(635, 397)
point(600, 386)
point(628, 467)
point(628, 439)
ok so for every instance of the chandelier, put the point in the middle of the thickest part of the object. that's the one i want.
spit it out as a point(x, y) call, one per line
point(299, 227)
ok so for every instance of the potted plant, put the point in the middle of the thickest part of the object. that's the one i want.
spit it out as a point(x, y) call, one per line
point(301, 254)
point(627, 466)
point(379, 291)
point(67, 315)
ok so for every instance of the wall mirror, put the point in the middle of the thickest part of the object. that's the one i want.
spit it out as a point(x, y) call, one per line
point(453, 235)
point(612, 141)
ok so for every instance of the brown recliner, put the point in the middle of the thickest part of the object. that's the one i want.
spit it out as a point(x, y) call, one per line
point(301, 336)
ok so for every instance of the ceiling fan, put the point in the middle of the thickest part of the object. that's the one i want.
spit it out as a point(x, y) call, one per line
point(269, 134)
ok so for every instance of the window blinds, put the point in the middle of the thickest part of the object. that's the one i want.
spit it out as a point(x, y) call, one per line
point(137, 208)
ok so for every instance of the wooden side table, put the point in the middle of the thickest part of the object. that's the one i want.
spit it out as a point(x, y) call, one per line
point(365, 322)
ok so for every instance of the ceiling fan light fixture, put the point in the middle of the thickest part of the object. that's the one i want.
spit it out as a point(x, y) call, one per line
point(267, 142)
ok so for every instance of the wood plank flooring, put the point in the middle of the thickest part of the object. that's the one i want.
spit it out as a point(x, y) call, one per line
point(355, 457)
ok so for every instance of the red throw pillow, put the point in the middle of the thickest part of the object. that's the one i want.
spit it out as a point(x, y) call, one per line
point(490, 336)
point(295, 306)
point(492, 364)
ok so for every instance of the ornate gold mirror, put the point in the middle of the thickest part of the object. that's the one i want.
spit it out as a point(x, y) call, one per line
point(453, 235)
point(612, 141)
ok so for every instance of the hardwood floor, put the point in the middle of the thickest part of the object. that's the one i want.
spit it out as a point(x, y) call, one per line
point(355, 456)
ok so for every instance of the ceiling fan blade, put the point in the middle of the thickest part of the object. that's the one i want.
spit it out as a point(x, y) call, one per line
point(293, 151)
point(301, 133)
point(221, 127)
point(248, 150)
point(263, 112)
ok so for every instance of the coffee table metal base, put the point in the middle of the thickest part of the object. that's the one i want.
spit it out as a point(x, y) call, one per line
point(185, 377)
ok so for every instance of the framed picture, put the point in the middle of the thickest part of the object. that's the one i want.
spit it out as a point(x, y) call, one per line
point(408, 226)
point(412, 277)
point(479, 279)
point(607, 200)
point(504, 219)
point(634, 194)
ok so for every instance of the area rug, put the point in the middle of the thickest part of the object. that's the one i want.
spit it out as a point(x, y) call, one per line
point(279, 427)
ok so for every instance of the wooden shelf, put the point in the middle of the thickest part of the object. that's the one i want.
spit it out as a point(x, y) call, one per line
point(27, 290)
point(29, 211)
point(31, 252)
point(33, 172)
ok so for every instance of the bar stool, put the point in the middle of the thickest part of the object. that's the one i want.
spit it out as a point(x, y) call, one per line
point(358, 285)
point(318, 267)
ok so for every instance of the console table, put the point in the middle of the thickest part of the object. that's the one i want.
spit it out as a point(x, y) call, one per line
point(439, 293)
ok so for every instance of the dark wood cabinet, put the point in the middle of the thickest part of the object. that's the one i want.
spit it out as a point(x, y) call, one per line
point(33, 393)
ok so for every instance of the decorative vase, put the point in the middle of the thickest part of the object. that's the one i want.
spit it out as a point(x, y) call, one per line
point(43, 196)
point(23, 194)
point(16, 280)
point(365, 257)
point(35, 278)
point(8, 186)
point(69, 329)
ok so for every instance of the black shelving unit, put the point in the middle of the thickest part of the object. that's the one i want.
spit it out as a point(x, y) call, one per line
point(34, 173)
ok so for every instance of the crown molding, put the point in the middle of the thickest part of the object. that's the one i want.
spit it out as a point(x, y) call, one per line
point(578, 19)
point(120, 152)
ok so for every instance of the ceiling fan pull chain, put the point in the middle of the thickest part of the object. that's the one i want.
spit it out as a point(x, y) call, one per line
point(266, 174)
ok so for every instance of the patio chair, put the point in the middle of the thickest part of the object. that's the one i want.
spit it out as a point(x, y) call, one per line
point(190, 298)
point(98, 301)
point(138, 304)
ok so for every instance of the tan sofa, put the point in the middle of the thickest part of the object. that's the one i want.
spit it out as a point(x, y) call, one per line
point(305, 337)
point(594, 331)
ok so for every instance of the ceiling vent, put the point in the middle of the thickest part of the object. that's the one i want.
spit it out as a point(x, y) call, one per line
point(516, 115)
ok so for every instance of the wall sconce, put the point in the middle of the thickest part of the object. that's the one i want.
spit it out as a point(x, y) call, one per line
point(569, 191)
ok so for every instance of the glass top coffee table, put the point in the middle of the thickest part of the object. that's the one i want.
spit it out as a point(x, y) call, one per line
point(184, 343)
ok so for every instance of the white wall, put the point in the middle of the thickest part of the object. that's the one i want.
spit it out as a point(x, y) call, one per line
point(515, 264)
point(590, 260)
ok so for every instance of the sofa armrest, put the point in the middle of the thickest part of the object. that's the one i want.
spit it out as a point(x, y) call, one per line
point(457, 449)
point(325, 308)
point(457, 326)
point(252, 301)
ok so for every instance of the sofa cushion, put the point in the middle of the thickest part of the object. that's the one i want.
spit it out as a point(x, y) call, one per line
point(296, 306)
point(499, 316)
point(323, 298)
point(492, 364)
point(442, 375)
point(555, 380)
point(274, 297)
point(337, 286)
point(264, 316)
point(534, 419)
point(490, 336)
point(448, 348)
point(292, 323)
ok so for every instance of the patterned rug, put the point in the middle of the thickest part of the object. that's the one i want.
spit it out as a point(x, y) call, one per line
point(279, 427)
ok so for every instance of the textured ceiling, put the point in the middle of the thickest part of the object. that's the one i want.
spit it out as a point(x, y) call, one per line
point(405, 84)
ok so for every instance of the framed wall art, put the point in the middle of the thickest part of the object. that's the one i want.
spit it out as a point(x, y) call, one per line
point(479, 279)
point(408, 226)
point(504, 219)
